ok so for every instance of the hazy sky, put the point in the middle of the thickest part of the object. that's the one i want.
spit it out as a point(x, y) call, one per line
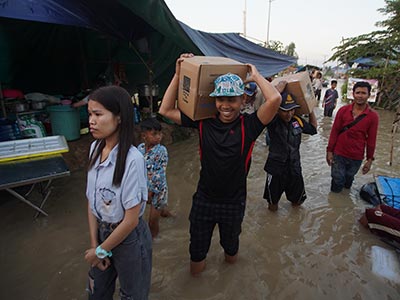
point(315, 26)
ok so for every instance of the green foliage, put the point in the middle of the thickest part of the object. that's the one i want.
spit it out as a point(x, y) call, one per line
point(279, 47)
point(383, 47)
point(276, 46)
point(343, 91)
point(377, 44)
point(392, 9)
point(291, 50)
point(329, 72)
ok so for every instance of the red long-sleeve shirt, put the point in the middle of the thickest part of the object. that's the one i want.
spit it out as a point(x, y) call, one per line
point(353, 142)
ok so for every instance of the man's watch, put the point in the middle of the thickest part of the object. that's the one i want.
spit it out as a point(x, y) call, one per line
point(101, 253)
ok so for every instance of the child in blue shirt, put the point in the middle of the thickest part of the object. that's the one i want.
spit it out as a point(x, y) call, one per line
point(156, 158)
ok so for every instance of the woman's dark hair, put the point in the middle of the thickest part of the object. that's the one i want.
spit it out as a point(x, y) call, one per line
point(150, 124)
point(362, 84)
point(118, 101)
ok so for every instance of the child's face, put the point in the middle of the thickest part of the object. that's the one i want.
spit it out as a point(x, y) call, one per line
point(152, 137)
point(228, 108)
point(333, 85)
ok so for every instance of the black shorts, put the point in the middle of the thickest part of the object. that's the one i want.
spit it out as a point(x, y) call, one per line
point(291, 184)
point(204, 215)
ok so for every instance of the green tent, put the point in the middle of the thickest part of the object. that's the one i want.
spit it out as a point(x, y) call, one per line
point(65, 46)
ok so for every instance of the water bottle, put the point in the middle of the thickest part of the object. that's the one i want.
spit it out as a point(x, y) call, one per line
point(136, 115)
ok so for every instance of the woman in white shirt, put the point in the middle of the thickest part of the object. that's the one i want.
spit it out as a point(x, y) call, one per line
point(120, 241)
point(317, 85)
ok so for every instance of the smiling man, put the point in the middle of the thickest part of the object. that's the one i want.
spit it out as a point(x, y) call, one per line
point(353, 133)
point(226, 144)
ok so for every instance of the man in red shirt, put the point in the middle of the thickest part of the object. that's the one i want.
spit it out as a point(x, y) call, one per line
point(354, 131)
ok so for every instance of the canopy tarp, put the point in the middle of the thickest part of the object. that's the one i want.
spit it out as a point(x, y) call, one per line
point(64, 46)
point(233, 45)
point(307, 67)
point(371, 62)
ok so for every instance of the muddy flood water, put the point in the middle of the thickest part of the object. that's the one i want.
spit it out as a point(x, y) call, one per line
point(317, 251)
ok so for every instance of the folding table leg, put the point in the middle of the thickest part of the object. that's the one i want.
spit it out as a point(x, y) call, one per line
point(45, 192)
point(19, 197)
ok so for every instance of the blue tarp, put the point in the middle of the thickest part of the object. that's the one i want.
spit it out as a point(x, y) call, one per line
point(306, 68)
point(64, 46)
point(104, 16)
point(43, 42)
point(232, 45)
point(371, 62)
point(389, 190)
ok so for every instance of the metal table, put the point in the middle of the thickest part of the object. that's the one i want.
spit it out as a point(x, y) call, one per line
point(38, 171)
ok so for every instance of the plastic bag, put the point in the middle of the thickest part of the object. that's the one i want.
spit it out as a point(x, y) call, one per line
point(30, 127)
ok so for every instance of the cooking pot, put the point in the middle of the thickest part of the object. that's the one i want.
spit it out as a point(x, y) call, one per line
point(20, 106)
point(144, 90)
point(38, 105)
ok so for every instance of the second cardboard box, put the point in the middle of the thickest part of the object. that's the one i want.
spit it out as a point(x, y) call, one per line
point(299, 85)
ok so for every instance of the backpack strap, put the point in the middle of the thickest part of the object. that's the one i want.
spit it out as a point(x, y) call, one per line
point(248, 157)
point(201, 138)
point(243, 133)
point(355, 121)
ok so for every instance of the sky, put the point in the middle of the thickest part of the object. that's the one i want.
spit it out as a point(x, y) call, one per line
point(315, 26)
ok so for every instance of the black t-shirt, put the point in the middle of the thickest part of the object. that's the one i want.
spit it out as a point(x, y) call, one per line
point(225, 154)
point(284, 148)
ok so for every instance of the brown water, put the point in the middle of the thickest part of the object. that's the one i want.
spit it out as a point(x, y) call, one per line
point(317, 251)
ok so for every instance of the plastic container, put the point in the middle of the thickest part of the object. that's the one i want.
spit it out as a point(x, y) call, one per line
point(65, 121)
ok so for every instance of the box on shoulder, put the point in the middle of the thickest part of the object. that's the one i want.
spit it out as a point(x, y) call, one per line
point(196, 82)
point(299, 86)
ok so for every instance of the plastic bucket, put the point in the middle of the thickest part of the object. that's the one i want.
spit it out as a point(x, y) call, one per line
point(65, 121)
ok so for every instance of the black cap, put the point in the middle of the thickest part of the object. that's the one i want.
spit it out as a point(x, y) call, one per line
point(288, 102)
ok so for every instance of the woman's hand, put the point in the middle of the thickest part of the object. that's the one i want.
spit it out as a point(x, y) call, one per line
point(91, 257)
point(180, 60)
point(104, 264)
point(94, 261)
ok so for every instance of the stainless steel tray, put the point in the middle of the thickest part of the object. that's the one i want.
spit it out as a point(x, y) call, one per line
point(25, 148)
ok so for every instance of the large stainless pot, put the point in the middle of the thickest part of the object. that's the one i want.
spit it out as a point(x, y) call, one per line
point(38, 105)
point(20, 106)
point(145, 90)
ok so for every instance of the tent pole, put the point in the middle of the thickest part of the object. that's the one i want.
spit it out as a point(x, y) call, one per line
point(3, 108)
point(83, 61)
point(150, 70)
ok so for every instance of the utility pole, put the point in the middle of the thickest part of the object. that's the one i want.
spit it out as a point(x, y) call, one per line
point(268, 22)
point(244, 18)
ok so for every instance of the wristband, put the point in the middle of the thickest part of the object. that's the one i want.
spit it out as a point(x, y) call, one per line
point(101, 253)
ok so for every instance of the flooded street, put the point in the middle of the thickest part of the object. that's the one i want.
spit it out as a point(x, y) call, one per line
point(317, 251)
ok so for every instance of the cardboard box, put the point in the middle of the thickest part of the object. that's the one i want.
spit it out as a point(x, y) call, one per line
point(299, 85)
point(196, 82)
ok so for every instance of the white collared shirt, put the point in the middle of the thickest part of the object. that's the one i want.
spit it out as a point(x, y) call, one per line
point(108, 202)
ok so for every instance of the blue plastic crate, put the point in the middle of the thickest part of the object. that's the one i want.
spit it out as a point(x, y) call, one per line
point(389, 190)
